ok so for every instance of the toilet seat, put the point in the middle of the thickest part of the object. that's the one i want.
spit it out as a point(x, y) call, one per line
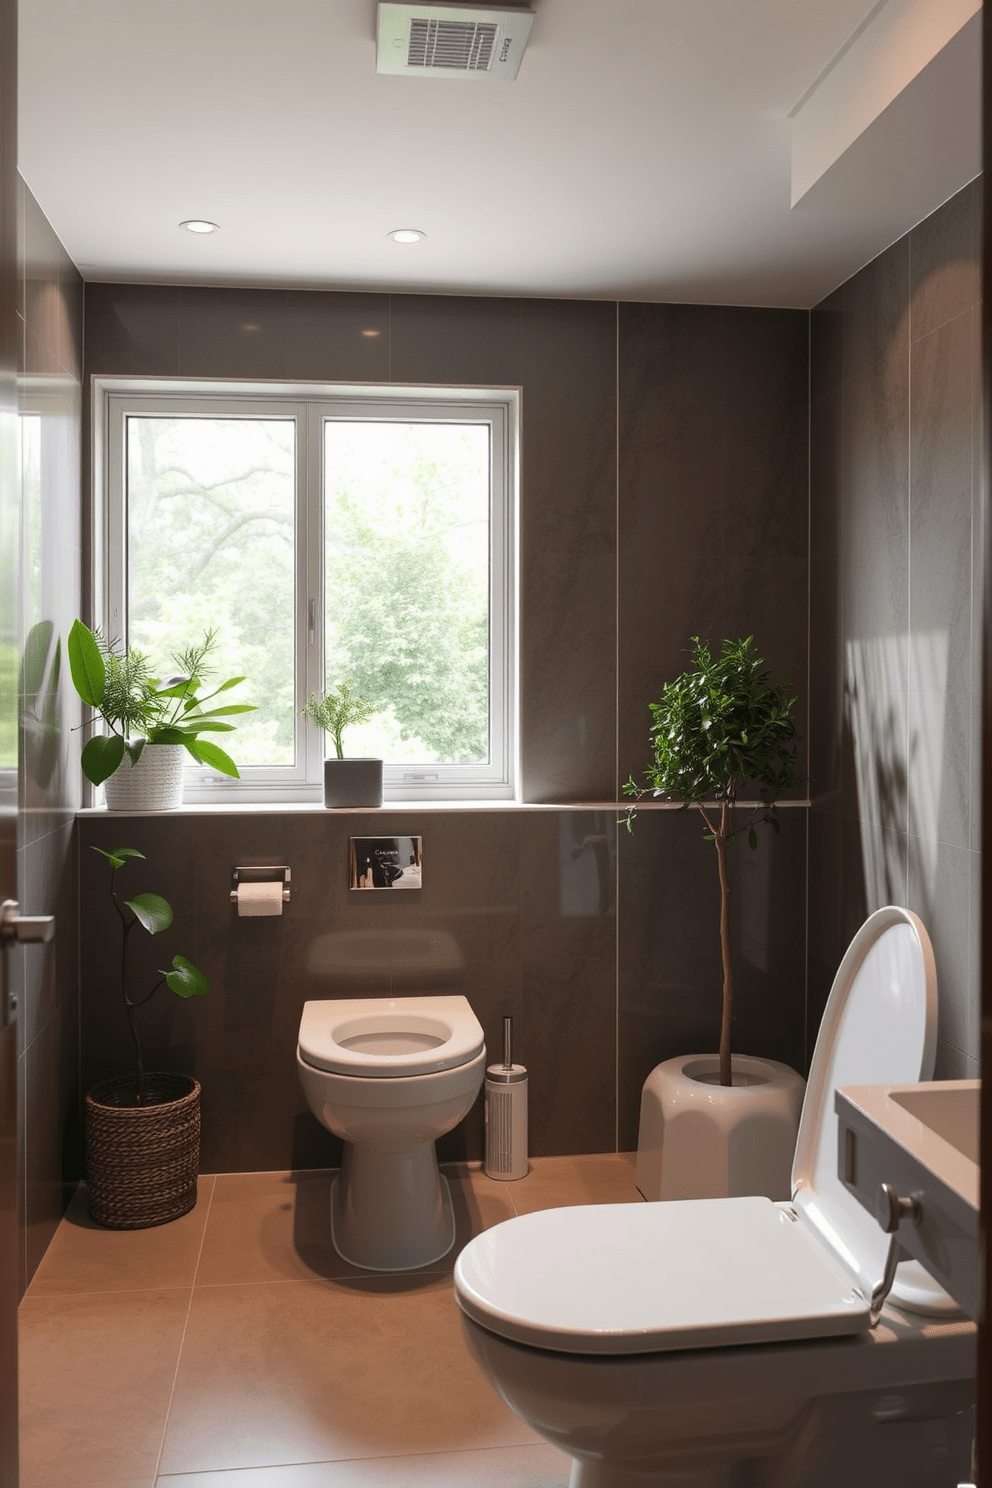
point(720, 1271)
point(382, 1038)
point(703, 1273)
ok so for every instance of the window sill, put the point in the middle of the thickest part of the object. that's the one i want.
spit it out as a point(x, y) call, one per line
point(292, 808)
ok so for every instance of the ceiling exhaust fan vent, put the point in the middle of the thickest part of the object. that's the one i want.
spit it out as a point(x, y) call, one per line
point(442, 40)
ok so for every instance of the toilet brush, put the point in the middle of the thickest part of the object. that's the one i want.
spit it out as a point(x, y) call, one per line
point(506, 1114)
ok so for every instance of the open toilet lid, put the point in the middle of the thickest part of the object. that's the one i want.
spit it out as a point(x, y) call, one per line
point(879, 1027)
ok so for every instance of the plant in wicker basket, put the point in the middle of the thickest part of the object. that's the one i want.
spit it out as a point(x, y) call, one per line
point(143, 1130)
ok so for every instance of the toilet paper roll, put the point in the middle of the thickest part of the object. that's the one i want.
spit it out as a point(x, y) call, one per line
point(260, 898)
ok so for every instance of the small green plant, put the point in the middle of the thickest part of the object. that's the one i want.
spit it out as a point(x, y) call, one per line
point(335, 711)
point(139, 709)
point(722, 724)
point(153, 913)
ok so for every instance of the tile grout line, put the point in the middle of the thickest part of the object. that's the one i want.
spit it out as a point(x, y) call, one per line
point(182, 1339)
point(616, 731)
point(403, 1456)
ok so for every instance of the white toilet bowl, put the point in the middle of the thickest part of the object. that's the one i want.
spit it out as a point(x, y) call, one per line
point(389, 1076)
point(608, 1328)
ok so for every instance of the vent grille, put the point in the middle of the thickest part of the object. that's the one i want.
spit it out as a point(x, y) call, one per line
point(462, 46)
point(438, 39)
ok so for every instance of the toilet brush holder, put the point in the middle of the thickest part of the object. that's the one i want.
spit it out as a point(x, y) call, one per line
point(506, 1115)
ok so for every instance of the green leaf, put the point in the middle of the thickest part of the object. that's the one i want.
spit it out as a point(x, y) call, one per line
point(117, 855)
point(89, 675)
point(173, 688)
point(154, 912)
point(186, 980)
point(166, 734)
point(101, 756)
point(752, 839)
point(190, 727)
point(224, 712)
point(214, 756)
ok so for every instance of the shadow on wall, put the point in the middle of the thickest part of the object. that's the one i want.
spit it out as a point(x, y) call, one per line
point(875, 703)
point(900, 752)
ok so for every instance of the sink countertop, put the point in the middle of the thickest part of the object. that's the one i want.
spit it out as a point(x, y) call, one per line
point(922, 1139)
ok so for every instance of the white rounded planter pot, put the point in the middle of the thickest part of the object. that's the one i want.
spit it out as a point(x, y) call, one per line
point(155, 783)
point(353, 781)
point(699, 1139)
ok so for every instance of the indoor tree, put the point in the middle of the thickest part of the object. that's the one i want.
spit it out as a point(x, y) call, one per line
point(720, 726)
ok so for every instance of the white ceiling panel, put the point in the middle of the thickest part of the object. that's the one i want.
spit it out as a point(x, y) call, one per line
point(643, 152)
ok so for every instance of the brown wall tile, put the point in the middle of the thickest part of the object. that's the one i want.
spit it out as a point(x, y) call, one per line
point(337, 337)
point(132, 330)
point(447, 339)
point(232, 333)
point(895, 769)
point(664, 469)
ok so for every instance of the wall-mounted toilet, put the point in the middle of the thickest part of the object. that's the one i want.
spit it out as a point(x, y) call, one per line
point(389, 1076)
point(575, 1314)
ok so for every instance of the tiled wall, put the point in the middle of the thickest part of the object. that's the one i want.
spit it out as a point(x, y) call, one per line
point(50, 311)
point(11, 1183)
point(664, 495)
point(895, 609)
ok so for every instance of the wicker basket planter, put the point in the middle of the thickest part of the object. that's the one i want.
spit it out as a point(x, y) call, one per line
point(142, 1161)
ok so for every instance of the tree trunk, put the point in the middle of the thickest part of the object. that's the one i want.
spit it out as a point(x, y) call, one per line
point(720, 842)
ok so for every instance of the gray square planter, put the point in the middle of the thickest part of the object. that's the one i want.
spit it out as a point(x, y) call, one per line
point(352, 782)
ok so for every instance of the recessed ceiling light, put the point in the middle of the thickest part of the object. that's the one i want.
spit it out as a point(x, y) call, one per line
point(407, 235)
point(371, 333)
point(198, 225)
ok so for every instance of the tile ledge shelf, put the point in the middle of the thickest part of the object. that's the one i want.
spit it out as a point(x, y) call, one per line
point(269, 808)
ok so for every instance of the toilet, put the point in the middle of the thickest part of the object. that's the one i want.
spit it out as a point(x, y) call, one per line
point(611, 1329)
point(389, 1076)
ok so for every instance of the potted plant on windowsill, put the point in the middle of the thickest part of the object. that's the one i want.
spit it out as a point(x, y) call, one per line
point(153, 724)
point(143, 1129)
point(357, 780)
point(720, 1124)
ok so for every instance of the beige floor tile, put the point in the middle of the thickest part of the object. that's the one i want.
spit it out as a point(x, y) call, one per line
point(276, 1226)
point(100, 1482)
point(498, 1467)
point(555, 1182)
point(96, 1373)
point(292, 1372)
point(85, 1257)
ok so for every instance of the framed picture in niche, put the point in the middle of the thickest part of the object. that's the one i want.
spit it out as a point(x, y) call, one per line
point(386, 863)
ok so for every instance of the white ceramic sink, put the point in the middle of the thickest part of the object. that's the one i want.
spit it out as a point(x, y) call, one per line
point(923, 1141)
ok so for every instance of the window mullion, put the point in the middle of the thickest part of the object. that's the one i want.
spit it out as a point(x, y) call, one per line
point(312, 569)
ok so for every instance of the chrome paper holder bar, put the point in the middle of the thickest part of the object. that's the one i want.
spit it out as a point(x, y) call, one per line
point(275, 874)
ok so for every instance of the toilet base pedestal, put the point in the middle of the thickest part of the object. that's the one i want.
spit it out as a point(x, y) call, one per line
point(391, 1208)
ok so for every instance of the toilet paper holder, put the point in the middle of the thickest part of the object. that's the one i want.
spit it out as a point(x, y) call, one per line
point(273, 874)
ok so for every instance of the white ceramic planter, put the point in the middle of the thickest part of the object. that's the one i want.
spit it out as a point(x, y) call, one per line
point(155, 783)
point(699, 1139)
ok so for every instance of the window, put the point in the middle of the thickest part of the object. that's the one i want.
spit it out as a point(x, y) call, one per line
point(327, 535)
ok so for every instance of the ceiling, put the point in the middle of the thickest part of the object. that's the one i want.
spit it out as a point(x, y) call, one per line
point(643, 153)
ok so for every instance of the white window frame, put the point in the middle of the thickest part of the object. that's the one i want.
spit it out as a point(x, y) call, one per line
point(310, 404)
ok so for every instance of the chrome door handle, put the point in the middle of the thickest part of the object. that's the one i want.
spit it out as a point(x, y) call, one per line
point(18, 929)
